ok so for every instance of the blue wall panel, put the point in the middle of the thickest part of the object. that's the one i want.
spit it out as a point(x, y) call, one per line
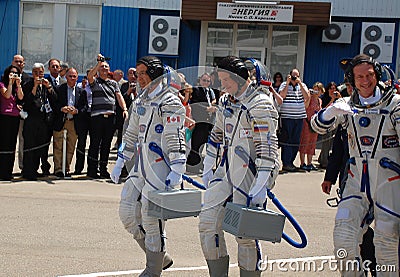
point(9, 12)
point(189, 44)
point(322, 59)
point(189, 40)
point(119, 36)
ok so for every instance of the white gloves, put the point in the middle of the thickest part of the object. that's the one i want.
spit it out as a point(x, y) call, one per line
point(208, 164)
point(337, 108)
point(119, 164)
point(174, 178)
point(258, 193)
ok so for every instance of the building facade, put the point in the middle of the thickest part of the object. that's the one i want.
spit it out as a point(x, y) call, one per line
point(310, 35)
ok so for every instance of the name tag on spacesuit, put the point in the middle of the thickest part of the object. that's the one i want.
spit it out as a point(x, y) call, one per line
point(245, 133)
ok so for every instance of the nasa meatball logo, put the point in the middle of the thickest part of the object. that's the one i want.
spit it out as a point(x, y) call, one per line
point(159, 128)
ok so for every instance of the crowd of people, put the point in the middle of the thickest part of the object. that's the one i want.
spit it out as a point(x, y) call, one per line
point(41, 110)
point(53, 105)
point(237, 120)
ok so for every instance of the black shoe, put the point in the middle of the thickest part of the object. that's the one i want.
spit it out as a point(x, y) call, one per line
point(304, 167)
point(93, 175)
point(46, 173)
point(59, 174)
point(68, 175)
point(105, 175)
point(311, 167)
point(289, 168)
point(77, 172)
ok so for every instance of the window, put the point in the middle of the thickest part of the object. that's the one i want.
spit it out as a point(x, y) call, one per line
point(37, 33)
point(56, 30)
point(285, 40)
point(82, 36)
point(275, 45)
point(252, 35)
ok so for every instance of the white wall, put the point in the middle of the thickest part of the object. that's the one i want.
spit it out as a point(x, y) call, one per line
point(363, 8)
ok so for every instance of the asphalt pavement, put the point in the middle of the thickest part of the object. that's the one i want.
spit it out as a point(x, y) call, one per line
point(55, 227)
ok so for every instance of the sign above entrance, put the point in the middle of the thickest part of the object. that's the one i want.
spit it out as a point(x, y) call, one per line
point(254, 12)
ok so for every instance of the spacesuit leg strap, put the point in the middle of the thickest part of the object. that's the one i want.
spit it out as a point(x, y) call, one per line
point(219, 267)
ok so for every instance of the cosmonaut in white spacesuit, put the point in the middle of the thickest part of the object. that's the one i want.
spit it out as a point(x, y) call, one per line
point(157, 117)
point(371, 116)
point(245, 128)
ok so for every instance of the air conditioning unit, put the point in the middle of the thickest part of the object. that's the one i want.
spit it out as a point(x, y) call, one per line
point(338, 32)
point(377, 41)
point(164, 35)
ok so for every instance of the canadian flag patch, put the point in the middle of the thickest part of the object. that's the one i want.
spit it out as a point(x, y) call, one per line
point(173, 119)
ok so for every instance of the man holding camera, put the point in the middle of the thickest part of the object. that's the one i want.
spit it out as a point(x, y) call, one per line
point(39, 101)
point(295, 95)
point(105, 94)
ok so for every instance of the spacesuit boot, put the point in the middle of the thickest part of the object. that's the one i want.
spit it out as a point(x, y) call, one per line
point(154, 262)
point(167, 263)
point(218, 268)
point(246, 273)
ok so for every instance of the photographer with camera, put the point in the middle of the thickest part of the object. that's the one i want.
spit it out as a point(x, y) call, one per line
point(292, 112)
point(11, 93)
point(39, 103)
point(105, 94)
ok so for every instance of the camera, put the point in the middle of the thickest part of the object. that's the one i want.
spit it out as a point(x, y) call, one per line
point(23, 114)
point(132, 85)
point(103, 59)
point(313, 91)
point(15, 75)
point(293, 77)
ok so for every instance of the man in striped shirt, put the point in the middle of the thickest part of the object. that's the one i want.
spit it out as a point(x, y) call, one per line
point(295, 95)
point(105, 96)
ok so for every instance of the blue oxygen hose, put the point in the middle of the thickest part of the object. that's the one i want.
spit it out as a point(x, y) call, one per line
point(293, 221)
point(156, 149)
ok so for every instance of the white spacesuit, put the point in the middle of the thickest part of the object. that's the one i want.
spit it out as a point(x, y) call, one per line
point(246, 129)
point(157, 117)
point(373, 133)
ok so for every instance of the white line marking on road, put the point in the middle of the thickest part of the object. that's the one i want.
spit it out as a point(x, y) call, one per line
point(194, 268)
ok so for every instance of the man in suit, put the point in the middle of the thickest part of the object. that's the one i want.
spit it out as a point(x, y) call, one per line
point(201, 100)
point(54, 69)
point(71, 103)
